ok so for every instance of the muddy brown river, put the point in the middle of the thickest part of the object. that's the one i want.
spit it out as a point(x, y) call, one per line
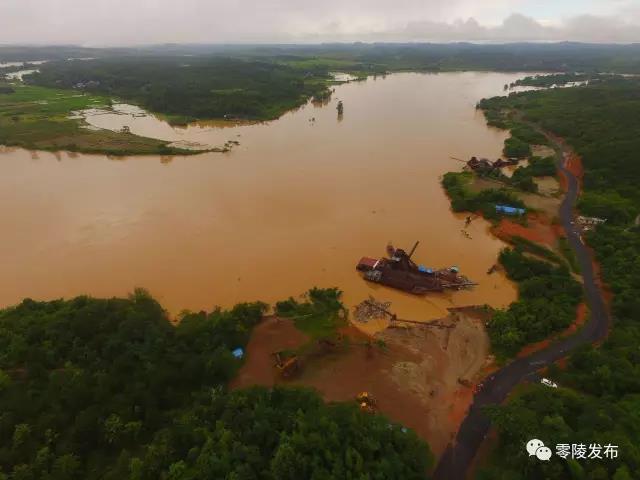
point(296, 204)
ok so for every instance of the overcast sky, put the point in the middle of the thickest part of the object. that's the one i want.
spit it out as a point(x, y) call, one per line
point(121, 22)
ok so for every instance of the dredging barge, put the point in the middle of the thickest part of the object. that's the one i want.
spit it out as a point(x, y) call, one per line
point(399, 271)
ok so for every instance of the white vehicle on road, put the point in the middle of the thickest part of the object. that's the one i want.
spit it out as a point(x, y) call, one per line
point(548, 383)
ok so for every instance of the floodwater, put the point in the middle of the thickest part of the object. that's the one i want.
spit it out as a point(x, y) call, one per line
point(19, 75)
point(295, 205)
point(11, 64)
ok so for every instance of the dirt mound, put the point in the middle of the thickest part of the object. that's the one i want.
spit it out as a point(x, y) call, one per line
point(443, 359)
point(446, 356)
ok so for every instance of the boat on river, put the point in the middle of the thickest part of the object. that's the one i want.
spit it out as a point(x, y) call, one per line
point(399, 271)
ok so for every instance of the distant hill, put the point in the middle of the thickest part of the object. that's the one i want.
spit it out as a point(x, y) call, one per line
point(562, 56)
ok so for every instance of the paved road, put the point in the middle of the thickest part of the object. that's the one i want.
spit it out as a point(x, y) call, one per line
point(457, 458)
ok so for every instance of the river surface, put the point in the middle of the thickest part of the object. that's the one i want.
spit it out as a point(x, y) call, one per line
point(295, 205)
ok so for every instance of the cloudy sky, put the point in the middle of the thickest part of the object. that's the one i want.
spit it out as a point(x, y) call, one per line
point(121, 22)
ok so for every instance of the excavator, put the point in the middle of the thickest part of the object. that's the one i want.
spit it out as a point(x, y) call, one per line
point(286, 366)
point(367, 402)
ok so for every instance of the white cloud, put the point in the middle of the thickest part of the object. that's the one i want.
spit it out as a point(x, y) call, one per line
point(100, 22)
point(516, 27)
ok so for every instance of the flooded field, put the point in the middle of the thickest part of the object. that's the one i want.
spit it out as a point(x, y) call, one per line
point(19, 74)
point(295, 204)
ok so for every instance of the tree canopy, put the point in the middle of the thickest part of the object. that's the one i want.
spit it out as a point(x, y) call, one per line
point(111, 389)
point(190, 88)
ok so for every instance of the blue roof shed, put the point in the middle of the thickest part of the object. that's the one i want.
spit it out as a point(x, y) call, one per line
point(424, 269)
point(238, 353)
point(508, 210)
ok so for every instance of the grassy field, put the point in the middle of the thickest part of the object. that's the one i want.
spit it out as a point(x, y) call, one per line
point(38, 118)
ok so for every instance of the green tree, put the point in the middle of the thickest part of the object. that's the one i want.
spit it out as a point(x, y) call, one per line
point(66, 467)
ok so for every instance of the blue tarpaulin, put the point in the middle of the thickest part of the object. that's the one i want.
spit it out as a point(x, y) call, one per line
point(238, 353)
point(424, 269)
point(506, 209)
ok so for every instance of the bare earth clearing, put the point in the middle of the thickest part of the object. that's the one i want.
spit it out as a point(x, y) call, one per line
point(414, 378)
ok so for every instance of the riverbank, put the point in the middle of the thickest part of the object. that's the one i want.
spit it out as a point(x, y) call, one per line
point(458, 457)
point(38, 118)
point(546, 302)
point(577, 377)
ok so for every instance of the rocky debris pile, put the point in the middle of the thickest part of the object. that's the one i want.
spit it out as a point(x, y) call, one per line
point(371, 309)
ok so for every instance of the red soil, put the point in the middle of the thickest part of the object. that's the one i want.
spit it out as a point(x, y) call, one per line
point(272, 335)
point(341, 377)
point(581, 317)
point(460, 402)
point(539, 230)
point(338, 376)
point(534, 347)
point(413, 379)
point(558, 231)
point(562, 178)
point(573, 163)
point(354, 333)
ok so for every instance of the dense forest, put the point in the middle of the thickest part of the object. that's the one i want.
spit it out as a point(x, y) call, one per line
point(599, 398)
point(547, 300)
point(530, 57)
point(111, 389)
point(189, 88)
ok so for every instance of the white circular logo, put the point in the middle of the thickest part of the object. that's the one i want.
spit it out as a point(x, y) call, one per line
point(543, 453)
point(533, 445)
point(536, 447)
